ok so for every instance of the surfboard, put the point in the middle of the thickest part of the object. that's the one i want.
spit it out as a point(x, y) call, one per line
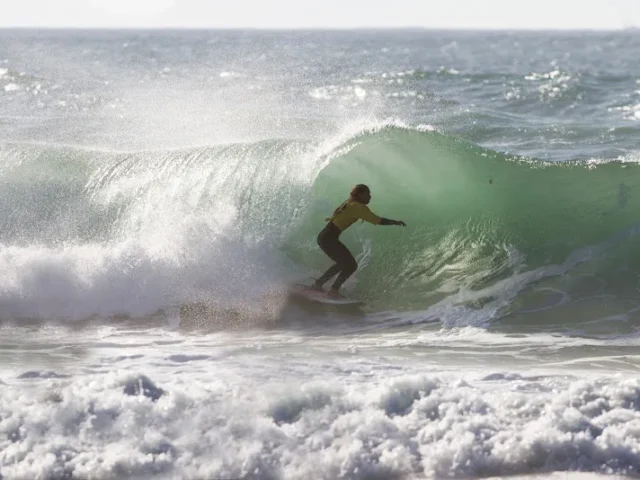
point(321, 297)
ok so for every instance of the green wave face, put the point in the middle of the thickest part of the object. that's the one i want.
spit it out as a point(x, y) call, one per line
point(476, 218)
point(483, 228)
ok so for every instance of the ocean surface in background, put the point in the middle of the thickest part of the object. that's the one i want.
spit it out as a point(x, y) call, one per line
point(160, 189)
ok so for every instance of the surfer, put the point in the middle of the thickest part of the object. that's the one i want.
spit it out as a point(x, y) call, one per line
point(351, 210)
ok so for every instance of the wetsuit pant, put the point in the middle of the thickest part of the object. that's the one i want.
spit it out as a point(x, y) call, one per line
point(345, 265)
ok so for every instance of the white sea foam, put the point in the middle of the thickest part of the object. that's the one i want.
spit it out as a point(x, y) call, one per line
point(227, 415)
point(630, 112)
point(79, 282)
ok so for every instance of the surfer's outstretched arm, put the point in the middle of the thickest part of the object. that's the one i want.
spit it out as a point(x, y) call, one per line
point(367, 215)
point(388, 221)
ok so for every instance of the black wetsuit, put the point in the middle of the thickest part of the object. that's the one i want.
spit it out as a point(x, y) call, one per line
point(329, 242)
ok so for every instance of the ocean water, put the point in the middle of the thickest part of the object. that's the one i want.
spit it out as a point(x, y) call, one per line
point(160, 190)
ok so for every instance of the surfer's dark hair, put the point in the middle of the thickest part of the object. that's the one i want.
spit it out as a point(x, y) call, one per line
point(355, 191)
point(358, 189)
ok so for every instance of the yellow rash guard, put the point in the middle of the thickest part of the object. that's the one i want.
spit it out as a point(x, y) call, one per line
point(350, 212)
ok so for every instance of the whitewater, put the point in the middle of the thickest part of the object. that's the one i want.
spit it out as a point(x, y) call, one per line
point(160, 190)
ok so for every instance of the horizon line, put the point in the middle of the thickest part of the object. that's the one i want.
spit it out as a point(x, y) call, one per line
point(326, 29)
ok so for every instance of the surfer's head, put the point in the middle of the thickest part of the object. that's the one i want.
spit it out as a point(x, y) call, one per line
point(361, 193)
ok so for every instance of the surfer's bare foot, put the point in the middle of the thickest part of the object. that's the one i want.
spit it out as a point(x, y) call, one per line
point(334, 294)
point(316, 288)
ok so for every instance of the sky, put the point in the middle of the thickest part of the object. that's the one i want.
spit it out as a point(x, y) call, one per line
point(465, 14)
